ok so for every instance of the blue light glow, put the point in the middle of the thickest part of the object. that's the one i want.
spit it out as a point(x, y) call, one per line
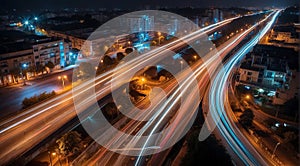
point(247, 87)
point(159, 68)
point(62, 54)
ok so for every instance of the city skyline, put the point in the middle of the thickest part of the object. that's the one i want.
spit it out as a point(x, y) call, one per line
point(135, 4)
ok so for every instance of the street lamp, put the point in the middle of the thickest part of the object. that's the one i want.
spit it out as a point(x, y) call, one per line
point(54, 154)
point(247, 97)
point(62, 78)
point(273, 154)
point(24, 66)
point(143, 82)
point(181, 63)
point(195, 57)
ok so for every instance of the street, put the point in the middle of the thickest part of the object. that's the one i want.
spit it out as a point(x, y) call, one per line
point(11, 97)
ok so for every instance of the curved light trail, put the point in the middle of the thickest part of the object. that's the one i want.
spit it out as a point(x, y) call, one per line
point(217, 109)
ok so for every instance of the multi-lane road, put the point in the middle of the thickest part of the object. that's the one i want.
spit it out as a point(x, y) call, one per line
point(23, 131)
point(220, 114)
point(104, 157)
point(12, 97)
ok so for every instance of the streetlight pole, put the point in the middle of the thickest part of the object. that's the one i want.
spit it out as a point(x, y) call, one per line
point(181, 63)
point(24, 79)
point(273, 154)
point(62, 79)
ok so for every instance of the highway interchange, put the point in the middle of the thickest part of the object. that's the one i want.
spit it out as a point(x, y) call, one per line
point(24, 131)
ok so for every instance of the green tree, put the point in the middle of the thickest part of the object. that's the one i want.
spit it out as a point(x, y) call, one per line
point(70, 144)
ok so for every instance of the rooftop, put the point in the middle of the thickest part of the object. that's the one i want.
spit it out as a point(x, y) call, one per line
point(248, 66)
point(13, 41)
point(274, 51)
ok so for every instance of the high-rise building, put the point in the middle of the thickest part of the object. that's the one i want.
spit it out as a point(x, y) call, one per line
point(141, 23)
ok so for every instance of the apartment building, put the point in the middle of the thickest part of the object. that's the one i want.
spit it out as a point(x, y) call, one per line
point(29, 53)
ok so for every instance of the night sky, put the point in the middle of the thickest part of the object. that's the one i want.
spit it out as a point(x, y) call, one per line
point(134, 4)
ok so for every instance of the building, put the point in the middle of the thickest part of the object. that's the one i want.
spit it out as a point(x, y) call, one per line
point(285, 36)
point(266, 67)
point(215, 15)
point(141, 23)
point(11, 63)
point(28, 54)
point(51, 49)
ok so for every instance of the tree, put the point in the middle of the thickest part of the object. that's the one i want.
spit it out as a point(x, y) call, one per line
point(246, 118)
point(1, 76)
point(107, 60)
point(128, 50)
point(208, 151)
point(40, 68)
point(165, 73)
point(110, 110)
point(50, 65)
point(15, 72)
point(70, 144)
point(120, 56)
point(27, 102)
point(32, 69)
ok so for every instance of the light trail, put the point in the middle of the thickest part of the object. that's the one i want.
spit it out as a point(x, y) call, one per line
point(238, 143)
point(174, 98)
point(112, 73)
point(58, 111)
point(186, 85)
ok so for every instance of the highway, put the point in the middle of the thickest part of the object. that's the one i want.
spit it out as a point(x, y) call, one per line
point(25, 130)
point(104, 157)
point(17, 135)
point(220, 114)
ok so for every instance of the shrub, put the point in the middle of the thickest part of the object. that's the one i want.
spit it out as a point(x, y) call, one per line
point(27, 102)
